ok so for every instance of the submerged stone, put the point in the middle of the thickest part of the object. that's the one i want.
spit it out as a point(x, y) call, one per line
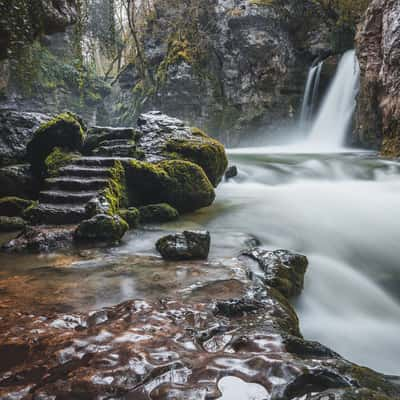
point(188, 245)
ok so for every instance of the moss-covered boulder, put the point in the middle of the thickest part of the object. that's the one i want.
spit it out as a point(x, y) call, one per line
point(57, 159)
point(101, 228)
point(206, 152)
point(13, 206)
point(11, 224)
point(165, 138)
point(131, 216)
point(65, 131)
point(158, 213)
point(181, 184)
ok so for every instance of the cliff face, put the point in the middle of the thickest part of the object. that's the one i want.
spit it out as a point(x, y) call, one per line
point(378, 48)
point(246, 69)
point(25, 20)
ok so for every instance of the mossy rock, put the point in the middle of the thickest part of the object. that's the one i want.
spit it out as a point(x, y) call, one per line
point(131, 216)
point(57, 159)
point(13, 206)
point(11, 224)
point(181, 184)
point(115, 191)
point(101, 228)
point(158, 213)
point(65, 131)
point(208, 153)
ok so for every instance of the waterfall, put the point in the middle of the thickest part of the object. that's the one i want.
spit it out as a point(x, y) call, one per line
point(332, 122)
point(310, 94)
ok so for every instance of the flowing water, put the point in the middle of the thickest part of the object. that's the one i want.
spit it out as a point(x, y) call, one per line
point(341, 210)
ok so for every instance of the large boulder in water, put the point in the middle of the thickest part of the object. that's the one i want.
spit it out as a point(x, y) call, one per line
point(16, 131)
point(164, 138)
point(188, 245)
point(182, 184)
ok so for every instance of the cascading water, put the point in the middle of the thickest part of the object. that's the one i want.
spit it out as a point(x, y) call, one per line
point(310, 95)
point(332, 122)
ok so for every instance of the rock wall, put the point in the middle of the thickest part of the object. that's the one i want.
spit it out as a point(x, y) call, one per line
point(25, 20)
point(378, 48)
point(250, 73)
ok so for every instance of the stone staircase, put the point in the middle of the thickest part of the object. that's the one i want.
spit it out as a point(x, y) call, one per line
point(63, 198)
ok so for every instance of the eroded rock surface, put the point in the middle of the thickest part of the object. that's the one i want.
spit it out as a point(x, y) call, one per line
point(167, 349)
point(378, 111)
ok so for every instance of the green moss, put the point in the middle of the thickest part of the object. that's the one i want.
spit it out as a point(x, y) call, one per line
point(131, 216)
point(102, 227)
point(158, 213)
point(57, 159)
point(65, 131)
point(181, 184)
point(207, 153)
point(115, 191)
point(14, 206)
point(66, 117)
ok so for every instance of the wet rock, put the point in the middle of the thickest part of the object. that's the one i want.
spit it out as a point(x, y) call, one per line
point(188, 245)
point(236, 307)
point(231, 172)
point(131, 216)
point(97, 205)
point(16, 131)
point(13, 206)
point(283, 270)
point(40, 239)
point(101, 227)
point(165, 138)
point(156, 350)
point(378, 104)
point(65, 131)
point(11, 224)
point(158, 213)
point(17, 180)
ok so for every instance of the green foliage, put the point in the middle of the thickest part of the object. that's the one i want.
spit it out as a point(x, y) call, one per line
point(11, 224)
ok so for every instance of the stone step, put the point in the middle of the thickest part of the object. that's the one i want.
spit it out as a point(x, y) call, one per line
point(99, 161)
point(122, 150)
point(75, 184)
point(85, 171)
point(59, 214)
point(96, 135)
point(116, 142)
point(65, 197)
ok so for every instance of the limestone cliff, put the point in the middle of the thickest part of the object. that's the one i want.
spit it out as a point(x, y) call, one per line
point(378, 48)
point(232, 67)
